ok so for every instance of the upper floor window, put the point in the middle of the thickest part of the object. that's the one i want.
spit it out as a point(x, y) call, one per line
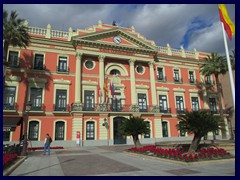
point(59, 130)
point(191, 76)
point(163, 103)
point(115, 72)
point(89, 100)
point(160, 73)
point(176, 75)
point(208, 79)
point(90, 130)
point(38, 62)
point(142, 102)
point(36, 99)
point(180, 104)
point(61, 100)
point(213, 105)
point(33, 130)
point(195, 104)
point(9, 98)
point(13, 59)
point(62, 64)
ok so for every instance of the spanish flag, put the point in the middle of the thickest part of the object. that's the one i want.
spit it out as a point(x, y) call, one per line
point(227, 22)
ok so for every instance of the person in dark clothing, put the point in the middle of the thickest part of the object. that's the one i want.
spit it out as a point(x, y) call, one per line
point(47, 142)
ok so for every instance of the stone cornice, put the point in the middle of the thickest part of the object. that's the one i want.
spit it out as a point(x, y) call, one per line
point(13, 78)
point(142, 86)
point(90, 83)
point(61, 81)
point(46, 41)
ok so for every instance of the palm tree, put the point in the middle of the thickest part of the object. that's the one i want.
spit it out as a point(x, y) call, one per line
point(14, 32)
point(199, 123)
point(232, 57)
point(216, 65)
point(134, 127)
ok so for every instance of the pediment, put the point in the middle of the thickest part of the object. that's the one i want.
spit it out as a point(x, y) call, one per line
point(106, 37)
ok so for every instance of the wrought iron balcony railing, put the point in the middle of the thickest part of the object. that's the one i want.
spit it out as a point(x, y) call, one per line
point(10, 106)
point(60, 108)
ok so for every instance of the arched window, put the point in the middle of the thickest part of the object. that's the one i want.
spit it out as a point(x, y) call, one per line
point(59, 130)
point(165, 129)
point(33, 130)
point(148, 126)
point(115, 72)
point(90, 130)
point(182, 133)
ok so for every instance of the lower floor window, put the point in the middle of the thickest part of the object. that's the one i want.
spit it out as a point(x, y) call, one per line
point(33, 130)
point(6, 135)
point(90, 130)
point(59, 130)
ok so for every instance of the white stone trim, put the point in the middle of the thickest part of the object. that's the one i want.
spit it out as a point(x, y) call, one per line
point(117, 66)
point(89, 59)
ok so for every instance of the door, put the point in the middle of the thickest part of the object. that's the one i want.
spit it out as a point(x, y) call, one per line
point(117, 136)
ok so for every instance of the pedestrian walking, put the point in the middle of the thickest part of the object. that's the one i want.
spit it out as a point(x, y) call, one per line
point(47, 143)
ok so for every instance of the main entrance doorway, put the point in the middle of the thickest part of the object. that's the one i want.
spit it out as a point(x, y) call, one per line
point(117, 136)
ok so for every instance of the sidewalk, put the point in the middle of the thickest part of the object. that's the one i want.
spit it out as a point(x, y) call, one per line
point(112, 161)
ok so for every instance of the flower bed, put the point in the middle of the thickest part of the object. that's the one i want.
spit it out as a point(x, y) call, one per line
point(181, 154)
point(8, 158)
point(41, 148)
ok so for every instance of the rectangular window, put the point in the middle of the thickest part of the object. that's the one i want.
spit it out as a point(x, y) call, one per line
point(90, 131)
point(191, 77)
point(180, 104)
point(9, 98)
point(160, 73)
point(176, 75)
point(38, 62)
point(213, 105)
point(59, 131)
point(62, 64)
point(33, 130)
point(148, 126)
point(165, 129)
point(13, 59)
point(208, 79)
point(195, 104)
point(61, 100)
point(89, 101)
point(163, 103)
point(142, 102)
point(36, 99)
point(182, 133)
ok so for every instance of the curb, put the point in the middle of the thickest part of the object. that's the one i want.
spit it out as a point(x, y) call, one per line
point(179, 162)
point(9, 170)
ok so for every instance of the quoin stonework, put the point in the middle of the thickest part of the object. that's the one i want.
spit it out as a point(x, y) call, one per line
point(83, 83)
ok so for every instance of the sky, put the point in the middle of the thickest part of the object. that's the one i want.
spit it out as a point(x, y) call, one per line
point(188, 25)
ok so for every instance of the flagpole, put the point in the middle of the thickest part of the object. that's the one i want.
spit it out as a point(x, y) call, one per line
point(229, 66)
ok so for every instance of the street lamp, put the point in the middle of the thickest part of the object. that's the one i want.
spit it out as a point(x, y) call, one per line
point(27, 109)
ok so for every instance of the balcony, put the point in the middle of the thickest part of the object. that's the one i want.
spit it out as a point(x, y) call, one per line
point(61, 69)
point(14, 64)
point(10, 107)
point(61, 109)
point(181, 111)
point(38, 108)
point(165, 111)
point(40, 67)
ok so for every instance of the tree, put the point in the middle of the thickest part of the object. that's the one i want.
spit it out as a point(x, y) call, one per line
point(232, 58)
point(198, 123)
point(216, 65)
point(14, 32)
point(134, 127)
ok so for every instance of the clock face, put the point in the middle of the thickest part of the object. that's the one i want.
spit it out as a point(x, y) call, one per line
point(117, 40)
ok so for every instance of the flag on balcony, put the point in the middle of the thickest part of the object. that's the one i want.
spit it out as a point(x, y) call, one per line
point(99, 90)
point(227, 22)
point(105, 87)
point(112, 89)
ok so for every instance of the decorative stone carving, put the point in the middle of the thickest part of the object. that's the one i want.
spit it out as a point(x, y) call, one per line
point(134, 108)
point(77, 106)
point(101, 58)
point(132, 61)
point(154, 108)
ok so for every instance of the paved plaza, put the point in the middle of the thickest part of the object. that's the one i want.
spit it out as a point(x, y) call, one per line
point(113, 161)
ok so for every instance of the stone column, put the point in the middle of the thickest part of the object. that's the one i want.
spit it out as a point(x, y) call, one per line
point(153, 87)
point(101, 77)
point(77, 106)
point(134, 106)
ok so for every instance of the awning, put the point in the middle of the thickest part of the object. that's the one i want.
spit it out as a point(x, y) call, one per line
point(11, 122)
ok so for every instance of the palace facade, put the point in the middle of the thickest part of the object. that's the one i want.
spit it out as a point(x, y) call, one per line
point(84, 83)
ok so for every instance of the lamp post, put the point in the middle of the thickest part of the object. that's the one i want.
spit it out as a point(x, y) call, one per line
point(27, 109)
